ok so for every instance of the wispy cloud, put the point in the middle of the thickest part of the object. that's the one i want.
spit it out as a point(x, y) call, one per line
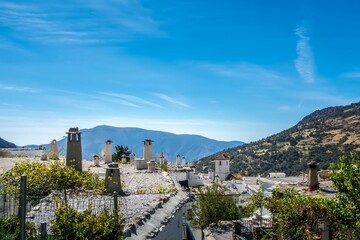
point(304, 63)
point(130, 98)
point(81, 21)
point(20, 89)
point(85, 98)
point(351, 75)
point(245, 71)
point(172, 100)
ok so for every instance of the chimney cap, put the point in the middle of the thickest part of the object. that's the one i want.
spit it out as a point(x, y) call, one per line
point(74, 130)
point(312, 163)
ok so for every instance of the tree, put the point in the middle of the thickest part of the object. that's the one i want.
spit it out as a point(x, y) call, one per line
point(71, 224)
point(120, 151)
point(211, 205)
point(296, 216)
point(346, 178)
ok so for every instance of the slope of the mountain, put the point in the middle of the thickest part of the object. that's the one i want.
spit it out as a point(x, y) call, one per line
point(322, 136)
point(6, 144)
point(193, 147)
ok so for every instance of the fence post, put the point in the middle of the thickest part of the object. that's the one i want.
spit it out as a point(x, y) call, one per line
point(43, 231)
point(22, 209)
point(116, 201)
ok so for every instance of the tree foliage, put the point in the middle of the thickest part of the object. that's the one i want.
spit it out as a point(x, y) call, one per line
point(70, 224)
point(211, 206)
point(43, 177)
point(10, 229)
point(120, 151)
point(346, 179)
point(297, 216)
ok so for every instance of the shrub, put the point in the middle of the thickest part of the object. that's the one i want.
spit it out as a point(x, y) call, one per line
point(211, 206)
point(10, 229)
point(43, 177)
point(5, 153)
point(70, 224)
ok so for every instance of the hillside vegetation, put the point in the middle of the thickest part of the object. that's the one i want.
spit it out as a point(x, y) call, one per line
point(322, 136)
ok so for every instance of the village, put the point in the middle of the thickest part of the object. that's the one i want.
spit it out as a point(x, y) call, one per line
point(155, 203)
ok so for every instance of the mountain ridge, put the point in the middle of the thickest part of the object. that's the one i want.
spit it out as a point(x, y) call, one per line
point(191, 146)
point(6, 144)
point(322, 136)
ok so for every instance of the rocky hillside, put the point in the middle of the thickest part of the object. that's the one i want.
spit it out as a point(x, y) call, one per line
point(6, 144)
point(322, 136)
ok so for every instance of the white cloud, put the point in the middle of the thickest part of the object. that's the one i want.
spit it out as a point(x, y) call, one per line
point(81, 21)
point(130, 98)
point(304, 63)
point(20, 89)
point(245, 71)
point(171, 100)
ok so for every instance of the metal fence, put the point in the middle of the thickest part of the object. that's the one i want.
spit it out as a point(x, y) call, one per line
point(9, 205)
point(41, 209)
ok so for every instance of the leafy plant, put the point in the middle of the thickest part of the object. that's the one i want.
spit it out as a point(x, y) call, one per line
point(120, 151)
point(211, 206)
point(70, 224)
point(43, 177)
point(10, 229)
point(346, 206)
point(296, 215)
point(163, 167)
point(140, 191)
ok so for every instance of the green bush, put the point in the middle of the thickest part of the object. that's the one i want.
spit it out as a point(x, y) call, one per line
point(212, 205)
point(70, 224)
point(43, 177)
point(10, 229)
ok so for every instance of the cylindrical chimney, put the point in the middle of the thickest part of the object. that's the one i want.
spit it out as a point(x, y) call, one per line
point(108, 155)
point(313, 177)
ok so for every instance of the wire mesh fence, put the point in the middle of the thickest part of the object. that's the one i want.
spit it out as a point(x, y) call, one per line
point(40, 210)
point(9, 205)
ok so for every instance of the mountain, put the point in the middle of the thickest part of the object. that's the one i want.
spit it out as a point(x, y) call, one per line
point(193, 147)
point(6, 144)
point(322, 136)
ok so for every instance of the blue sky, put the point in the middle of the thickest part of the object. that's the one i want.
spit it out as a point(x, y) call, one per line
point(228, 70)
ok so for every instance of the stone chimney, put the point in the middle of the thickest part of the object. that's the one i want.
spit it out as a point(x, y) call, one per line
point(183, 162)
point(151, 166)
point(108, 155)
point(96, 160)
point(123, 158)
point(313, 177)
point(178, 160)
point(132, 158)
point(112, 178)
point(148, 150)
point(73, 151)
point(54, 151)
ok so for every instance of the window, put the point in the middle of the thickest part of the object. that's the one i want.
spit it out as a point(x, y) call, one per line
point(219, 163)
